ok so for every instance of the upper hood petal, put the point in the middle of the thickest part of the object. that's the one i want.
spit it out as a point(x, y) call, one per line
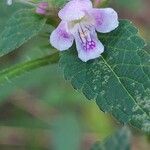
point(74, 10)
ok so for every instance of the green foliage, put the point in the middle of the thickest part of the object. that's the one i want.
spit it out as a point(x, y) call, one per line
point(5, 12)
point(21, 27)
point(7, 74)
point(119, 141)
point(119, 79)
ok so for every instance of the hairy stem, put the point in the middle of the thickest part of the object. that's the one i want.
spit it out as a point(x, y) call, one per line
point(12, 72)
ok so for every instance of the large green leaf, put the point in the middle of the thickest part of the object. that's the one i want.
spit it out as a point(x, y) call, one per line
point(121, 140)
point(21, 27)
point(6, 12)
point(119, 79)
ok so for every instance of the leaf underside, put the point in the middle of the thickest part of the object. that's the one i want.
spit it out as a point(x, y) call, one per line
point(119, 141)
point(119, 79)
point(21, 27)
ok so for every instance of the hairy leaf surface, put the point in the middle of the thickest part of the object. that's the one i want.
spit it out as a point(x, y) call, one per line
point(119, 79)
point(119, 141)
point(21, 27)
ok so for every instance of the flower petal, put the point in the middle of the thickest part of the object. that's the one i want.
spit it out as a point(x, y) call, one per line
point(90, 49)
point(106, 19)
point(74, 10)
point(60, 38)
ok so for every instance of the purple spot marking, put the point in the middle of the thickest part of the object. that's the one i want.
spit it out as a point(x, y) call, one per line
point(99, 18)
point(89, 45)
point(63, 34)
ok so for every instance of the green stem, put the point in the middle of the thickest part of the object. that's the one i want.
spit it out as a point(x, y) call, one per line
point(12, 72)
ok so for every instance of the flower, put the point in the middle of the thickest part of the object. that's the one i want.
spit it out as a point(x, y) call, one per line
point(42, 8)
point(80, 21)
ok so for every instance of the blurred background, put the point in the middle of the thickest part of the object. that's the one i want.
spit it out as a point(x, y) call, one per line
point(41, 111)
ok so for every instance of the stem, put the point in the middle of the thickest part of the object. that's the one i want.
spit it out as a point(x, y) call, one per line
point(12, 72)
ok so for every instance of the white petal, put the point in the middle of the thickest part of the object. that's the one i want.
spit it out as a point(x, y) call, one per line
point(60, 38)
point(89, 51)
point(74, 10)
point(106, 19)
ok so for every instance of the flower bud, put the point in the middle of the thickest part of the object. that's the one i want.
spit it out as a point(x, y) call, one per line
point(42, 8)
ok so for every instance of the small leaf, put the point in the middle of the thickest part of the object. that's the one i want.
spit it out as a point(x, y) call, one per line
point(119, 141)
point(119, 79)
point(21, 27)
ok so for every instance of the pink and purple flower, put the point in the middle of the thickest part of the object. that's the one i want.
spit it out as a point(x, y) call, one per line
point(80, 21)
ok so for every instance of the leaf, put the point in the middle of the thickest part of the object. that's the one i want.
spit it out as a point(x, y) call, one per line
point(12, 72)
point(119, 141)
point(6, 11)
point(119, 79)
point(21, 27)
